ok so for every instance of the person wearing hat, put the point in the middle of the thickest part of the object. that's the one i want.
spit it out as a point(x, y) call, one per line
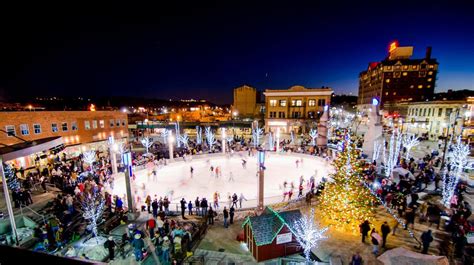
point(138, 244)
point(165, 254)
point(110, 245)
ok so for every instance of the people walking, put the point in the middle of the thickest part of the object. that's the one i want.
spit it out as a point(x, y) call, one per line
point(226, 216)
point(190, 208)
point(110, 246)
point(231, 214)
point(234, 200)
point(426, 239)
point(375, 241)
point(385, 228)
point(197, 205)
point(364, 229)
point(210, 216)
point(183, 207)
point(154, 207)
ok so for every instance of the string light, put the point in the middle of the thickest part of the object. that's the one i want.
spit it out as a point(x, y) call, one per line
point(409, 141)
point(313, 134)
point(210, 137)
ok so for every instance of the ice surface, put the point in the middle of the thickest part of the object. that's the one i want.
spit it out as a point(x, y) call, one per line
point(175, 179)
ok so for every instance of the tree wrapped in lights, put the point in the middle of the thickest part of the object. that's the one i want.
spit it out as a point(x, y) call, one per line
point(459, 157)
point(377, 150)
point(89, 157)
point(178, 134)
point(409, 141)
point(256, 135)
point(308, 234)
point(198, 135)
point(292, 136)
point(210, 137)
point(184, 139)
point(313, 134)
point(92, 208)
point(146, 142)
point(270, 141)
point(11, 178)
point(394, 146)
point(164, 135)
point(345, 202)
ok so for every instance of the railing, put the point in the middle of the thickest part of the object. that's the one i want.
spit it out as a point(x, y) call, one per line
point(33, 211)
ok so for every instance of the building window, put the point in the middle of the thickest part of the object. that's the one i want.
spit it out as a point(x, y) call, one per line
point(431, 66)
point(397, 67)
point(396, 75)
point(123, 123)
point(420, 86)
point(273, 102)
point(299, 102)
point(387, 80)
point(111, 122)
point(64, 126)
point(424, 112)
point(10, 130)
point(412, 86)
point(283, 103)
point(428, 86)
point(404, 73)
point(389, 67)
point(415, 67)
point(117, 123)
point(440, 112)
point(405, 67)
point(281, 114)
point(312, 102)
point(102, 124)
point(311, 115)
point(295, 114)
point(24, 129)
point(74, 126)
point(386, 93)
point(430, 73)
point(429, 79)
point(54, 127)
point(423, 66)
point(321, 102)
point(448, 112)
point(272, 114)
point(37, 128)
point(394, 93)
point(94, 124)
point(87, 125)
point(429, 112)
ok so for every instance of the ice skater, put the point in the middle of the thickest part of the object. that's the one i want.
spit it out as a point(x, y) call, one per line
point(231, 177)
point(244, 164)
point(217, 172)
point(217, 196)
point(191, 170)
point(212, 171)
point(241, 198)
point(155, 169)
point(297, 162)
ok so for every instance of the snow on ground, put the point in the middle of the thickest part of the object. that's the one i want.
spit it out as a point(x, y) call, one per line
point(174, 180)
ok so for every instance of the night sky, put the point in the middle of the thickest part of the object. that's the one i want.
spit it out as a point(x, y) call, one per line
point(206, 50)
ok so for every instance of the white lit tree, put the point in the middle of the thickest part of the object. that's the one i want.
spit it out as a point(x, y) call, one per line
point(256, 135)
point(308, 234)
point(147, 143)
point(313, 134)
point(178, 134)
point(89, 158)
point(270, 141)
point(92, 208)
point(164, 135)
point(409, 141)
point(198, 135)
point(394, 146)
point(184, 139)
point(292, 135)
point(377, 150)
point(210, 137)
point(459, 162)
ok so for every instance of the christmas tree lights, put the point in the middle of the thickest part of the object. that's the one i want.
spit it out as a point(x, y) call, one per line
point(313, 134)
point(92, 208)
point(147, 143)
point(308, 234)
point(164, 135)
point(184, 139)
point(198, 135)
point(409, 141)
point(345, 202)
point(210, 137)
point(257, 133)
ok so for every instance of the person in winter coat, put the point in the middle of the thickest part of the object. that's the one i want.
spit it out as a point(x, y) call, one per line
point(110, 245)
point(231, 214)
point(210, 216)
point(190, 208)
point(226, 216)
point(148, 203)
point(364, 229)
point(150, 225)
point(204, 207)
point(375, 241)
point(154, 207)
point(196, 206)
point(183, 207)
point(426, 239)
point(138, 245)
point(385, 228)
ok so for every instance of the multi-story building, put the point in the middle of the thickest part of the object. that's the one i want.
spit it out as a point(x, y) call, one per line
point(80, 130)
point(245, 101)
point(440, 118)
point(295, 109)
point(398, 78)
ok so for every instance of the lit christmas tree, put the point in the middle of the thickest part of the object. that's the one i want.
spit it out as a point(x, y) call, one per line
point(345, 202)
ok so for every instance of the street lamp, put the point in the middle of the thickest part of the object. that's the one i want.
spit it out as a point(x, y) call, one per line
point(261, 177)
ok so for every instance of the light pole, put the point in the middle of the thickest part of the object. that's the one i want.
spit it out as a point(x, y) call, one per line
point(11, 215)
point(127, 161)
point(223, 139)
point(112, 152)
point(170, 144)
point(261, 179)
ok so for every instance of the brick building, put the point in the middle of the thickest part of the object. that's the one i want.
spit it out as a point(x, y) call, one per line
point(76, 128)
point(245, 101)
point(398, 78)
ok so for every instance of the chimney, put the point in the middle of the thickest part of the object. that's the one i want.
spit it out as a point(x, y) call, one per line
point(428, 52)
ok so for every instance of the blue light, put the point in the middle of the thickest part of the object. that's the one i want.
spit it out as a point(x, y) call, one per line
point(375, 102)
point(326, 107)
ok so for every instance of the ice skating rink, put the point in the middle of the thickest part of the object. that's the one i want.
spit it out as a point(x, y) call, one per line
point(174, 180)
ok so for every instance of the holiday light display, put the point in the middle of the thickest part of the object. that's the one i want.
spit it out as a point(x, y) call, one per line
point(313, 134)
point(292, 136)
point(308, 234)
point(164, 135)
point(184, 139)
point(377, 150)
point(210, 137)
point(257, 133)
point(92, 208)
point(229, 139)
point(409, 141)
point(459, 162)
point(89, 158)
point(345, 202)
point(147, 143)
point(270, 141)
point(391, 159)
point(198, 135)
point(178, 134)
point(11, 178)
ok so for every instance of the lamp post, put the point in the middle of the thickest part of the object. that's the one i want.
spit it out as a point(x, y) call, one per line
point(170, 145)
point(113, 148)
point(6, 193)
point(127, 161)
point(223, 139)
point(261, 179)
